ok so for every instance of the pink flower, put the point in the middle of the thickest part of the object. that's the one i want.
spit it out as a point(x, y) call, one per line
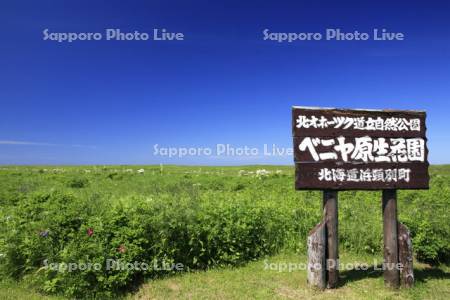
point(122, 249)
point(90, 231)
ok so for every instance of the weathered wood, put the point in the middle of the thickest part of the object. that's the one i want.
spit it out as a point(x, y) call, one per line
point(316, 257)
point(405, 256)
point(307, 176)
point(391, 272)
point(344, 149)
point(330, 210)
point(330, 113)
point(306, 157)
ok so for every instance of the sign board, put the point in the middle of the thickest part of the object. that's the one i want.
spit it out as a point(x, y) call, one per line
point(359, 149)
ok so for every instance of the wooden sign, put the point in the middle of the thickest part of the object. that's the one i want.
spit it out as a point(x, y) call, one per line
point(359, 149)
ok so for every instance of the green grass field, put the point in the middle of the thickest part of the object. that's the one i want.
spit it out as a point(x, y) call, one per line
point(222, 223)
point(256, 281)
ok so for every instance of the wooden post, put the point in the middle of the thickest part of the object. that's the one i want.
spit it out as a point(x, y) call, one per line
point(405, 256)
point(391, 272)
point(316, 257)
point(330, 211)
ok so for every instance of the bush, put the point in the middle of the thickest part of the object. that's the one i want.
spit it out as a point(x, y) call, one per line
point(77, 182)
point(427, 215)
point(56, 229)
point(199, 221)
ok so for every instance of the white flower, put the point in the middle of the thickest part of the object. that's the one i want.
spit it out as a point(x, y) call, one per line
point(262, 172)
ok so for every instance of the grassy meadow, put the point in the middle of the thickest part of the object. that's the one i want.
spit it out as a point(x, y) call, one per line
point(221, 224)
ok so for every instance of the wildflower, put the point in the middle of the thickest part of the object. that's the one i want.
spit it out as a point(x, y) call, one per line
point(44, 233)
point(262, 173)
point(90, 231)
point(122, 249)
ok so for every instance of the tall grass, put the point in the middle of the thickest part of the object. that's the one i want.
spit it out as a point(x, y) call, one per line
point(200, 217)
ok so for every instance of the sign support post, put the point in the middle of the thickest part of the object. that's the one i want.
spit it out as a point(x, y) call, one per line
point(330, 212)
point(353, 149)
point(390, 236)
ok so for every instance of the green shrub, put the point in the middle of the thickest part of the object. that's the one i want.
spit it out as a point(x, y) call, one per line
point(53, 228)
point(427, 215)
point(77, 182)
point(198, 220)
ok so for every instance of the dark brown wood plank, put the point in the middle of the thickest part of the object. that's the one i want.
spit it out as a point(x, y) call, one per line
point(305, 156)
point(374, 114)
point(330, 210)
point(307, 176)
point(391, 271)
point(345, 139)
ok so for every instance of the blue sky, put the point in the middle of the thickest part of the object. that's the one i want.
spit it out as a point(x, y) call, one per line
point(110, 102)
